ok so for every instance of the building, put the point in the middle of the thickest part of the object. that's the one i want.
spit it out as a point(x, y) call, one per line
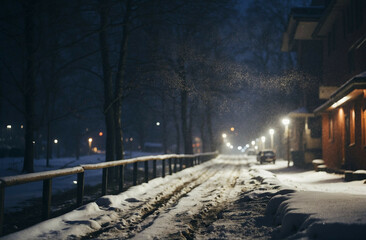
point(342, 29)
point(305, 127)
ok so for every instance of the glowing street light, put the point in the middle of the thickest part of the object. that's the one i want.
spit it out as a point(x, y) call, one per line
point(224, 135)
point(55, 141)
point(90, 140)
point(271, 132)
point(253, 143)
point(8, 126)
point(286, 122)
point(157, 123)
point(232, 129)
point(263, 139)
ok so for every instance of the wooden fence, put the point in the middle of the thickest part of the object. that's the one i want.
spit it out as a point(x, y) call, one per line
point(173, 161)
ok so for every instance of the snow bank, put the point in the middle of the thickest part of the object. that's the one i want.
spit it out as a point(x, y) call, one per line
point(317, 215)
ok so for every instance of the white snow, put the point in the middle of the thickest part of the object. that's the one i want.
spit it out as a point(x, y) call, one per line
point(304, 205)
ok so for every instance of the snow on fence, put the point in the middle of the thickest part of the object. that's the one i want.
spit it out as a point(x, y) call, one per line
point(189, 160)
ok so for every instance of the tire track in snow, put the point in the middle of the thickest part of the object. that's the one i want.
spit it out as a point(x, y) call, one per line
point(136, 219)
point(181, 221)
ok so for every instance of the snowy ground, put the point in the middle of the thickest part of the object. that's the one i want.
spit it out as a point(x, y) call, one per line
point(230, 197)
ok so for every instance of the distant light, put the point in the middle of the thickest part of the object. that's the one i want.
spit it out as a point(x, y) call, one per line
point(263, 139)
point(157, 123)
point(240, 148)
point(8, 126)
point(247, 145)
point(231, 146)
point(224, 135)
point(75, 182)
point(228, 144)
point(256, 147)
point(55, 141)
point(21, 126)
point(232, 129)
point(90, 140)
point(286, 121)
point(131, 139)
point(253, 142)
point(100, 134)
point(271, 131)
point(34, 142)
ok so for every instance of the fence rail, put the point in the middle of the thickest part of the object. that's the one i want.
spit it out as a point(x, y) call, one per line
point(47, 176)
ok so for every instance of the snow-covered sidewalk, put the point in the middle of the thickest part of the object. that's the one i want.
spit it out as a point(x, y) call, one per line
point(230, 197)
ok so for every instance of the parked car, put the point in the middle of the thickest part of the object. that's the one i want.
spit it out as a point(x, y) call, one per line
point(266, 156)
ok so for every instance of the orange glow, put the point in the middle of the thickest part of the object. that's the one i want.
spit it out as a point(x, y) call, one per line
point(100, 133)
point(232, 129)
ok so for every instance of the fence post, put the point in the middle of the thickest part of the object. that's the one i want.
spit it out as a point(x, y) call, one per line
point(170, 166)
point(146, 171)
point(163, 168)
point(80, 189)
point(105, 181)
point(154, 168)
point(175, 165)
point(46, 198)
point(180, 164)
point(2, 198)
point(121, 177)
point(134, 174)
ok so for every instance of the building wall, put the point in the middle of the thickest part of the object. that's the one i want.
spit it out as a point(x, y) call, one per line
point(339, 63)
point(337, 151)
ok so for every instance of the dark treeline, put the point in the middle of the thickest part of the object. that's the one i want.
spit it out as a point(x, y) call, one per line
point(137, 71)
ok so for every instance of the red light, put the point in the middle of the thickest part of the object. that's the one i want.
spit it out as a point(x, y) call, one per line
point(100, 133)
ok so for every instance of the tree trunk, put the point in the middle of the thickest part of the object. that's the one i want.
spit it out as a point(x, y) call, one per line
point(119, 82)
point(29, 86)
point(211, 138)
point(108, 83)
point(176, 125)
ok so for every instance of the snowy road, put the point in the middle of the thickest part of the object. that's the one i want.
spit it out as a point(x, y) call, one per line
point(230, 197)
point(204, 204)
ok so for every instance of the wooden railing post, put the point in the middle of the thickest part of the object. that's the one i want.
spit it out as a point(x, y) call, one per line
point(46, 198)
point(170, 166)
point(180, 164)
point(154, 168)
point(163, 168)
point(134, 174)
point(2, 200)
point(80, 189)
point(105, 181)
point(146, 171)
point(175, 165)
point(121, 177)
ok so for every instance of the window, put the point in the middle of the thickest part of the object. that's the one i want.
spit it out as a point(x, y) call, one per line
point(352, 126)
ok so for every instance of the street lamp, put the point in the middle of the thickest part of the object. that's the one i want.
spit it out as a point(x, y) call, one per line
point(224, 135)
point(55, 141)
point(263, 139)
point(271, 132)
point(286, 122)
point(253, 143)
point(90, 140)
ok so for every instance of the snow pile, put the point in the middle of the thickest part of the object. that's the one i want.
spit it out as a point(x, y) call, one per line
point(317, 215)
point(332, 214)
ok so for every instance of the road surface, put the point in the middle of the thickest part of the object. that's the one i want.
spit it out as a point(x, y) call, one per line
point(212, 201)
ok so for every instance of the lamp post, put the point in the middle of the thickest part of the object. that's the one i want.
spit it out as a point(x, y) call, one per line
point(55, 141)
point(90, 140)
point(271, 132)
point(263, 139)
point(286, 122)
